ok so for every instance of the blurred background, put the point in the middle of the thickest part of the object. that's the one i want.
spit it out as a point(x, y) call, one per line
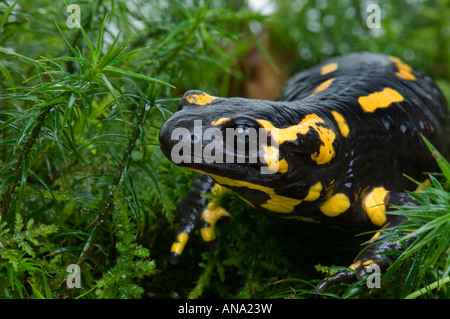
point(82, 180)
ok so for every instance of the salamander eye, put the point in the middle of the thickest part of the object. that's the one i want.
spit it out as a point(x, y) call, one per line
point(243, 133)
point(241, 138)
point(241, 128)
point(242, 122)
point(245, 129)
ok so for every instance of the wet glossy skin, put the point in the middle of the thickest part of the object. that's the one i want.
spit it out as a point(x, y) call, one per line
point(348, 130)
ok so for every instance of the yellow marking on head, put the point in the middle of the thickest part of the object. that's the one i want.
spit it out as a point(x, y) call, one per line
point(314, 192)
point(220, 121)
point(374, 205)
point(285, 134)
point(276, 203)
point(271, 157)
point(342, 123)
point(326, 135)
point(404, 70)
point(323, 86)
point(200, 99)
point(335, 205)
point(380, 99)
point(328, 68)
point(180, 243)
point(326, 151)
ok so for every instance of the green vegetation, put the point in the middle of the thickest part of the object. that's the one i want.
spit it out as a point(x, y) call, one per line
point(82, 179)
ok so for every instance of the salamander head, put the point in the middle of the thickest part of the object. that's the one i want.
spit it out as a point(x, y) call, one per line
point(255, 147)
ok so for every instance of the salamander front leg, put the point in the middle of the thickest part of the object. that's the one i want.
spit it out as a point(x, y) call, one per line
point(197, 212)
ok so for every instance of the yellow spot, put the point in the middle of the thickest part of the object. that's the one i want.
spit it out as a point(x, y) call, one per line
point(368, 262)
point(378, 233)
point(374, 205)
point(375, 235)
point(276, 203)
point(220, 121)
point(323, 86)
point(271, 158)
point(404, 70)
point(326, 135)
point(281, 204)
point(282, 166)
point(379, 99)
point(405, 75)
point(180, 243)
point(200, 99)
point(326, 150)
point(331, 67)
point(208, 233)
point(342, 123)
point(335, 205)
point(355, 265)
point(426, 183)
point(211, 215)
point(314, 192)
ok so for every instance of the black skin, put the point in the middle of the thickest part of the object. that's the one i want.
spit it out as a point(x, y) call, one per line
point(381, 148)
point(375, 251)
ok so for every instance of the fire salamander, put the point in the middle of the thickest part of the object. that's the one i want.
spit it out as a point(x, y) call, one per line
point(336, 147)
